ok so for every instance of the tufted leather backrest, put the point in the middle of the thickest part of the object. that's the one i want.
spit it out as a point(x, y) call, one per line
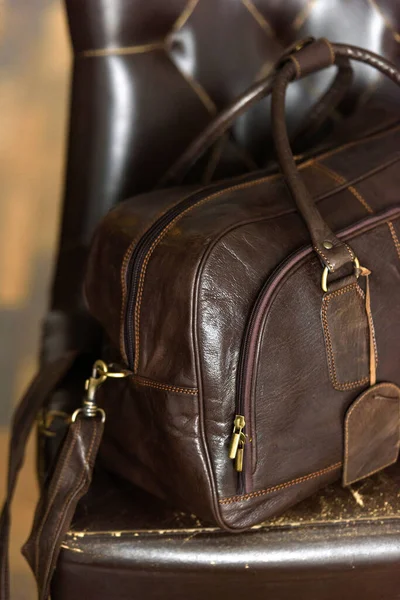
point(149, 75)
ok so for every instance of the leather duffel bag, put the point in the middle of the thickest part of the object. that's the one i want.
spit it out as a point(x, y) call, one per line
point(254, 335)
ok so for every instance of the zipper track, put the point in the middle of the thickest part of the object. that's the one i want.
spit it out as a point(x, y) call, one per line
point(139, 253)
point(261, 306)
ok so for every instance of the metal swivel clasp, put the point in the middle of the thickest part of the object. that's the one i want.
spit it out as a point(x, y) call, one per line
point(100, 372)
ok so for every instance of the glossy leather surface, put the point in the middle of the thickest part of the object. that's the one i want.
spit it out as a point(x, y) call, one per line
point(339, 543)
point(228, 243)
point(101, 171)
point(148, 77)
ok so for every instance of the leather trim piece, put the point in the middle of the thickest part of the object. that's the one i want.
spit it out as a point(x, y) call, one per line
point(372, 436)
point(359, 354)
point(281, 486)
point(244, 185)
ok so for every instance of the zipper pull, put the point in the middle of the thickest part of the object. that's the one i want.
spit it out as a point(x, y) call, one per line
point(240, 453)
point(238, 426)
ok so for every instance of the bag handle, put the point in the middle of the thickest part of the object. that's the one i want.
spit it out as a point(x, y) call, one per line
point(334, 253)
point(261, 89)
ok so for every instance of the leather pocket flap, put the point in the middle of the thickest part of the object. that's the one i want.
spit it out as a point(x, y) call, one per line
point(372, 432)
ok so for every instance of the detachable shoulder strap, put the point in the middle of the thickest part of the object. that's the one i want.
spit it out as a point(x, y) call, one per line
point(69, 482)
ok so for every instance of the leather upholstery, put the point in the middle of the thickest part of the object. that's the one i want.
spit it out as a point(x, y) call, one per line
point(149, 76)
point(120, 102)
point(342, 543)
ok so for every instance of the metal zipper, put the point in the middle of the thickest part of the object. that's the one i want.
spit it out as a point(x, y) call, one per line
point(242, 430)
point(139, 254)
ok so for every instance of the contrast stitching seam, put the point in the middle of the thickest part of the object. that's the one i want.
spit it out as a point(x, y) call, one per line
point(164, 386)
point(342, 180)
point(281, 486)
point(304, 165)
point(350, 251)
point(124, 265)
point(355, 405)
point(394, 237)
point(69, 499)
point(325, 259)
point(125, 262)
point(162, 235)
point(332, 52)
point(297, 66)
point(331, 357)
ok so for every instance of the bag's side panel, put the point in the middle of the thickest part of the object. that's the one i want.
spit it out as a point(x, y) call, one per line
point(112, 246)
point(153, 439)
point(297, 429)
point(242, 260)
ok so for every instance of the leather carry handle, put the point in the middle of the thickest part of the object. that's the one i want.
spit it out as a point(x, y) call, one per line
point(318, 55)
point(259, 90)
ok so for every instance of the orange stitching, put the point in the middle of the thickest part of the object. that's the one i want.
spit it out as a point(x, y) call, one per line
point(394, 237)
point(164, 386)
point(125, 261)
point(69, 498)
point(162, 235)
point(304, 165)
point(365, 140)
point(354, 406)
point(53, 496)
point(325, 258)
point(127, 256)
point(297, 66)
point(332, 52)
point(281, 486)
point(331, 358)
point(342, 180)
point(350, 251)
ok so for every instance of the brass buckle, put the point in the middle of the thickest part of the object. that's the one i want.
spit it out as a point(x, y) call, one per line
point(324, 280)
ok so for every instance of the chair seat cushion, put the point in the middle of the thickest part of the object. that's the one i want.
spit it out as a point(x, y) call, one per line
point(126, 544)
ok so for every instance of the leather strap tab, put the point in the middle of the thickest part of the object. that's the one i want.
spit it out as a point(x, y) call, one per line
point(70, 481)
point(313, 57)
point(346, 331)
point(372, 432)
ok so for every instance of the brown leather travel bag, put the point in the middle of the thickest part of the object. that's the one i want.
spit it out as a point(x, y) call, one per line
point(254, 333)
point(263, 348)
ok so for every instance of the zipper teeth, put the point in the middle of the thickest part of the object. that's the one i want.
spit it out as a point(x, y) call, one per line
point(242, 361)
point(138, 256)
point(140, 251)
point(291, 260)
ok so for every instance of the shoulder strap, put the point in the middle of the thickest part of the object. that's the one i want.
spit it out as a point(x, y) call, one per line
point(68, 483)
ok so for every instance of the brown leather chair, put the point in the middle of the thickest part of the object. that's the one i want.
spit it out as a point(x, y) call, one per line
point(147, 78)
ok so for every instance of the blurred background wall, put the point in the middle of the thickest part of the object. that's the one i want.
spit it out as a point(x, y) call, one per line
point(34, 78)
